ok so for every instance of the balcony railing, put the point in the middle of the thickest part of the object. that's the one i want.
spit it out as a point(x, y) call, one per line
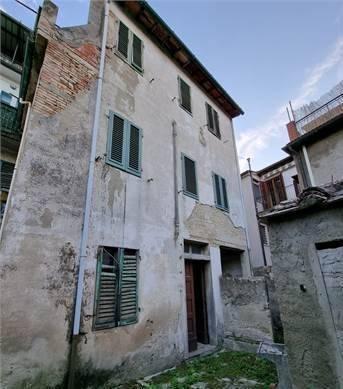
point(8, 119)
point(320, 115)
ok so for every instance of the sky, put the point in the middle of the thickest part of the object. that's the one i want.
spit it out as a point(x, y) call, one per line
point(264, 54)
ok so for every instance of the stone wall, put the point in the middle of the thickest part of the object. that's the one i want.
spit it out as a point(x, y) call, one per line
point(245, 307)
point(308, 286)
point(326, 158)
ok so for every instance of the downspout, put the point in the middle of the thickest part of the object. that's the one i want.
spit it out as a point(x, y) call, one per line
point(86, 216)
point(176, 194)
point(19, 156)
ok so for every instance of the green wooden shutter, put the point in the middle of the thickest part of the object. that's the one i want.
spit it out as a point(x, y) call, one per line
point(225, 203)
point(209, 117)
point(216, 123)
point(6, 169)
point(220, 192)
point(106, 315)
point(189, 177)
point(137, 49)
point(123, 40)
point(117, 140)
point(185, 95)
point(217, 190)
point(134, 149)
point(128, 287)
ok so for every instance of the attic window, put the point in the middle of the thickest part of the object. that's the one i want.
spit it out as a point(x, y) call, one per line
point(212, 120)
point(185, 95)
point(130, 47)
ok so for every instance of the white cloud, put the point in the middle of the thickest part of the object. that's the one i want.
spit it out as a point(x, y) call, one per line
point(258, 138)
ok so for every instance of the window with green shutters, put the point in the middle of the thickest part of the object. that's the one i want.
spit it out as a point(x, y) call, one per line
point(189, 177)
point(6, 169)
point(185, 95)
point(130, 47)
point(220, 192)
point(124, 147)
point(116, 288)
point(212, 120)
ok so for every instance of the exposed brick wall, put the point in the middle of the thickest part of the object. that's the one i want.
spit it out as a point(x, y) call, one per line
point(292, 130)
point(66, 72)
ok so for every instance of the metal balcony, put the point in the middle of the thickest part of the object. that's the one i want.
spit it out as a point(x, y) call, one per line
point(321, 115)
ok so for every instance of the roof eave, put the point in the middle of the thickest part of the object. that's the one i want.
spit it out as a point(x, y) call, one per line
point(181, 54)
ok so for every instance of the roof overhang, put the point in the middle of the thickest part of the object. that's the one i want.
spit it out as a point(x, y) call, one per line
point(168, 41)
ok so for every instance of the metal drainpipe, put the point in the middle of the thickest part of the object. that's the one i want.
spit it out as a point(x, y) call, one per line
point(19, 155)
point(176, 194)
point(86, 217)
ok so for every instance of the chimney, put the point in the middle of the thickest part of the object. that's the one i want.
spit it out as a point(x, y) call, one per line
point(292, 130)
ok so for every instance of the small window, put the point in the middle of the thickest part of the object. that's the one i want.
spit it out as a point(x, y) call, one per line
point(116, 288)
point(6, 97)
point(273, 191)
point(212, 120)
point(264, 234)
point(196, 248)
point(6, 173)
point(257, 192)
point(130, 47)
point(296, 185)
point(190, 187)
point(124, 145)
point(185, 95)
point(220, 192)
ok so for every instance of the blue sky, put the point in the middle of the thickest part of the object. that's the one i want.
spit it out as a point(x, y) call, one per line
point(263, 53)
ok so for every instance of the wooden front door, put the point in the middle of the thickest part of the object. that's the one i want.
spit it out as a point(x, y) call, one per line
point(200, 301)
point(190, 301)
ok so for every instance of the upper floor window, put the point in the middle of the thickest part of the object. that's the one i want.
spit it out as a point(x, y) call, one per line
point(296, 185)
point(273, 191)
point(220, 192)
point(190, 186)
point(116, 288)
point(124, 146)
point(130, 47)
point(212, 120)
point(185, 95)
point(6, 173)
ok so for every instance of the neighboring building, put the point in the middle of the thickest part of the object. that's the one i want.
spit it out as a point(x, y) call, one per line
point(306, 242)
point(306, 239)
point(164, 205)
point(316, 158)
point(14, 56)
point(316, 139)
point(263, 190)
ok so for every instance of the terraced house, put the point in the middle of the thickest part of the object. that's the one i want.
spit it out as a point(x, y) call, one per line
point(126, 206)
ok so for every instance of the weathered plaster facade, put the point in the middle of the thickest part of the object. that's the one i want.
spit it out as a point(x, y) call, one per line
point(246, 310)
point(326, 158)
point(306, 246)
point(40, 243)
